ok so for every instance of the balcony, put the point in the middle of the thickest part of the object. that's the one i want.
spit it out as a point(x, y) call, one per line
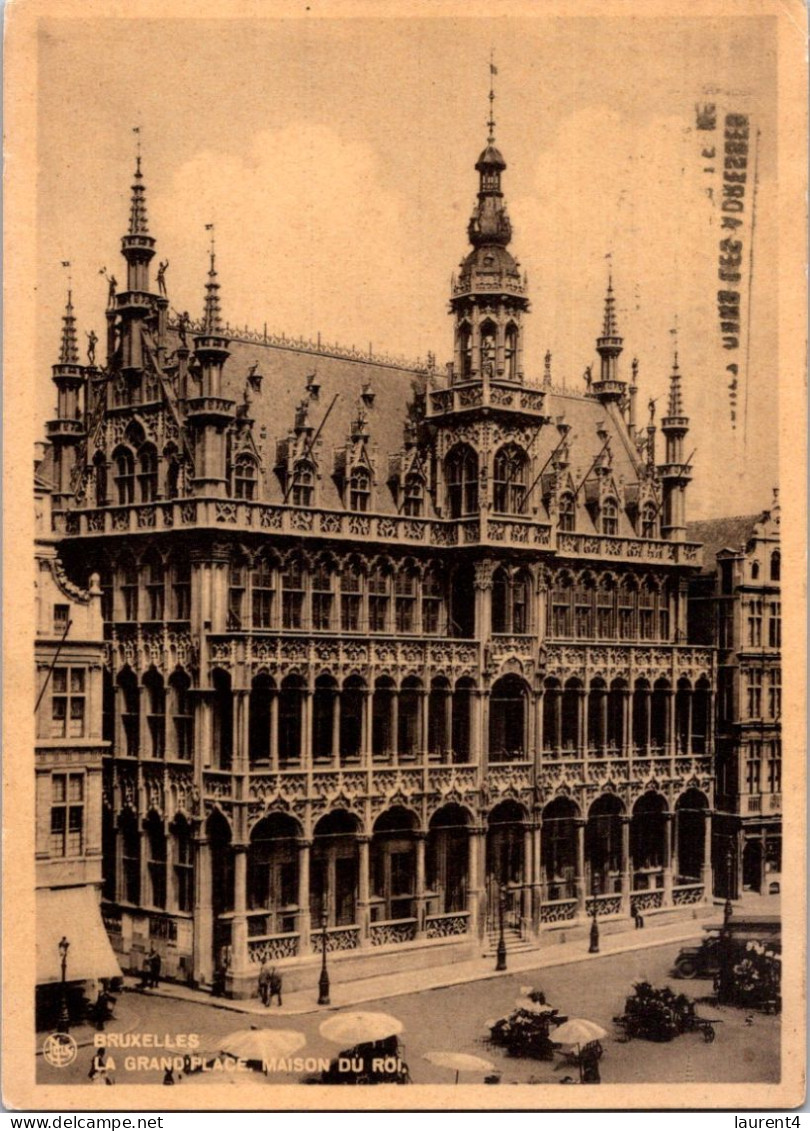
point(638, 549)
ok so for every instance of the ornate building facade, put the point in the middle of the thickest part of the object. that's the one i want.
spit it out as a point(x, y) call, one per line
point(388, 649)
point(736, 605)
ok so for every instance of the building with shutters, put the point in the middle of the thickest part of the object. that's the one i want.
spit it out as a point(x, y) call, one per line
point(391, 648)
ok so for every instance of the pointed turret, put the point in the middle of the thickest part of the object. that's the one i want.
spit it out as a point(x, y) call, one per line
point(137, 246)
point(210, 413)
point(675, 473)
point(488, 297)
point(68, 428)
point(609, 346)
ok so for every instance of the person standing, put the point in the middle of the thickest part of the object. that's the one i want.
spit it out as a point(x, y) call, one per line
point(264, 983)
point(155, 965)
point(274, 987)
point(102, 1067)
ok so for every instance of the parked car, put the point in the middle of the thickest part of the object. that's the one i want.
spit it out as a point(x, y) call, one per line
point(702, 960)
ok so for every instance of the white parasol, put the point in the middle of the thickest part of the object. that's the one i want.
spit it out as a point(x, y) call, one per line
point(459, 1062)
point(358, 1028)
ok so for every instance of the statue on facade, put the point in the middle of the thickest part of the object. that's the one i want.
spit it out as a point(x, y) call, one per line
point(92, 341)
point(161, 276)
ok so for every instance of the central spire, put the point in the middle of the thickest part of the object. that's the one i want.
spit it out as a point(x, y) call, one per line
point(69, 353)
point(212, 315)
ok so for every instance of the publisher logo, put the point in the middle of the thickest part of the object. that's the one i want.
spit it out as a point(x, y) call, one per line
point(60, 1050)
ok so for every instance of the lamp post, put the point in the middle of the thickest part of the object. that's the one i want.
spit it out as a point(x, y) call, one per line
point(594, 945)
point(728, 910)
point(323, 981)
point(500, 953)
point(64, 1016)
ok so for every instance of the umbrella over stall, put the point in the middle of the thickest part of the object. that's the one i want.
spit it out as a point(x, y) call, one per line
point(357, 1027)
point(262, 1045)
point(577, 1033)
point(459, 1062)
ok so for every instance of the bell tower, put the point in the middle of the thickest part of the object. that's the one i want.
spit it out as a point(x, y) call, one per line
point(488, 298)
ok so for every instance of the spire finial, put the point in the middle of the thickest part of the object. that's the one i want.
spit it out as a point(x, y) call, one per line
point(69, 350)
point(212, 316)
point(609, 325)
point(493, 70)
point(138, 223)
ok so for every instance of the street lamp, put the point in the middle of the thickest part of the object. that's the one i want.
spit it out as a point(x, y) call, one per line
point(728, 910)
point(594, 946)
point(323, 981)
point(501, 951)
point(64, 1016)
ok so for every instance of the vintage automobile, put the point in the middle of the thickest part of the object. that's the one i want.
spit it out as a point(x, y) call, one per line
point(702, 960)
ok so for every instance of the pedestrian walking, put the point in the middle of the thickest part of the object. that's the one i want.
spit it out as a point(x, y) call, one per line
point(146, 972)
point(274, 987)
point(264, 983)
point(155, 965)
point(102, 1068)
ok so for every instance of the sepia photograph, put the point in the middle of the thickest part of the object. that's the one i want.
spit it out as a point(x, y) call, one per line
point(412, 688)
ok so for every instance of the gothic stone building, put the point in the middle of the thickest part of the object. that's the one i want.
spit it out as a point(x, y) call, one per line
point(736, 605)
point(389, 649)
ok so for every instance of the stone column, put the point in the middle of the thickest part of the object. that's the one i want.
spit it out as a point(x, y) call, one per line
point(477, 847)
point(579, 881)
point(448, 721)
point(528, 876)
point(363, 890)
point(306, 729)
point(336, 728)
point(240, 964)
point(627, 871)
point(422, 740)
point(627, 723)
point(274, 730)
point(420, 883)
point(706, 870)
point(668, 860)
point(203, 938)
point(537, 876)
point(304, 917)
point(365, 727)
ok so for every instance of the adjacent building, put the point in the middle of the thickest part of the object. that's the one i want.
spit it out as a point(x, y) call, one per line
point(735, 604)
point(69, 655)
point(390, 650)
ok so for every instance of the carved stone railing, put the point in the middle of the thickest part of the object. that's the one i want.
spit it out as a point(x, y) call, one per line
point(517, 532)
point(615, 660)
point(605, 905)
point(558, 911)
point(392, 932)
point(447, 925)
point(272, 948)
point(638, 549)
point(647, 900)
point(321, 649)
point(337, 938)
point(685, 894)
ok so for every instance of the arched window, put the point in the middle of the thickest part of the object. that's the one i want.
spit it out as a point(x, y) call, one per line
point(500, 601)
point(130, 857)
point(124, 476)
point(260, 718)
point(183, 857)
point(155, 586)
point(130, 711)
point(507, 720)
point(292, 595)
point(776, 566)
point(605, 609)
point(509, 480)
point(405, 599)
point(382, 718)
point(359, 490)
point(324, 706)
point(223, 719)
point(303, 489)
point(583, 608)
point(290, 721)
point(510, 352)
point(465, 350)
point(439, 717)
point(352, 703)
point(244, 478)
point(263, 586)
point(461, 720)
point(351, 597)
point(100, 472)
point(432, 594)
point(754, 571)
point(322, 597)
point(378, 599)
point(646, 611)
point(461, 477)
point(156, 712)
point(488, 340)
point(148, 472)
point(237, 572)
point(156, 860)
point(627, 599)
point(649, 521)
point(561, 606)
point(610, 516)
point(181, 587)
point(566, 517)
point(182, 715)
point(414, 496)
point(409, 738)
point(128, 573)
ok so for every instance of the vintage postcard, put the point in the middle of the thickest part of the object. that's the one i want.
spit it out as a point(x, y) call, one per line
point(412, 687)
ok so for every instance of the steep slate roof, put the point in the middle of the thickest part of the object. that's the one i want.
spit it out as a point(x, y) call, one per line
point(718, 534)
point(285, 372)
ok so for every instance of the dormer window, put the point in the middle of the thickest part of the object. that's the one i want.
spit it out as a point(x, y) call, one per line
point(566, 519)
point(359, 490)
point(244, 478)
point(414, 497)
point(610, 517)
point(303, 484)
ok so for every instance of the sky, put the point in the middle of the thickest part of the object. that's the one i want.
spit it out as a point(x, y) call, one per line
point(335, 157)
